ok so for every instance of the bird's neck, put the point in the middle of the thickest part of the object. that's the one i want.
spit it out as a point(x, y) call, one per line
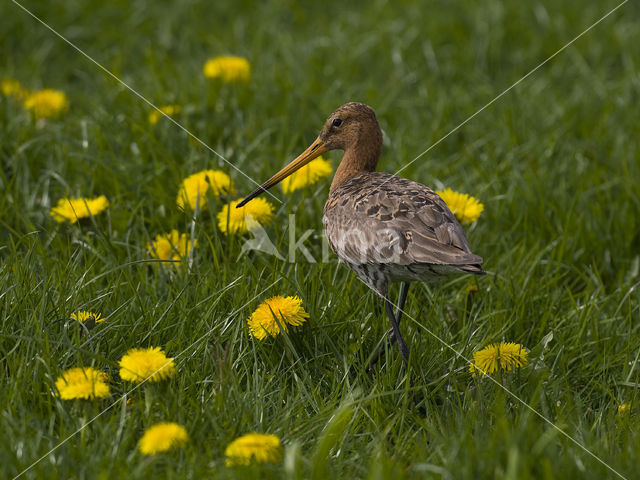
point(359, 158)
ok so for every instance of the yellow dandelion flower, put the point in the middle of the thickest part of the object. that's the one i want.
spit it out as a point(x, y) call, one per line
point(156, 115)
point(287, 310)
point(73, 209)
point(81, 382)
point(12, 88)
point(139, 364)
point(260, 447)
point(171, 247)
point(195, 188)
point(228, 69)
point(624, 408)
point(471, 290)
point(9, 87)
point(162, 437)
point(240, 220)
point(311, 173)
point(47, 103)
point(466, 208)
point(87, 317)
point(504, 356)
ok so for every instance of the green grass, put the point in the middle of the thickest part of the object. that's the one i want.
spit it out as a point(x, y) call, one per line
point(556, 162)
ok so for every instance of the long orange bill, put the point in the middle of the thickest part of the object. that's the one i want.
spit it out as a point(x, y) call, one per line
point(316, 149)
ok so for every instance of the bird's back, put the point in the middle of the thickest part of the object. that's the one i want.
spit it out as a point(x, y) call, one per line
point(375, 218)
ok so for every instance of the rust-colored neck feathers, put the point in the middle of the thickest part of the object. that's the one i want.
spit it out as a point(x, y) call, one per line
point(353, 128)
point(359, 157)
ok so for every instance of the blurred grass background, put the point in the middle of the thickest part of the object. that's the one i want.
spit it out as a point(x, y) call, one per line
point(556, 162)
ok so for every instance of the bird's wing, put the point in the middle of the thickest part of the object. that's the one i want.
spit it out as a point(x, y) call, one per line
point(379, 218)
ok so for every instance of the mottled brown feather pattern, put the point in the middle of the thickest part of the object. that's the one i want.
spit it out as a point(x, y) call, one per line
point(400, 225)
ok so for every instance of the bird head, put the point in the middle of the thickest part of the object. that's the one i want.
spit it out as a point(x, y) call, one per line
point(352, 125)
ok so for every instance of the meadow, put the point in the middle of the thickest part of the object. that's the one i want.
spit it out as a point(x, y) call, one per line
point(555, 162)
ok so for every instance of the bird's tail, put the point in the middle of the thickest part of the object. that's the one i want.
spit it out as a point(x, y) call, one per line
point(472, 268)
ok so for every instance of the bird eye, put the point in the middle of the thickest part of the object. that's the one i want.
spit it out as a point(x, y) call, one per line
point(336, 122)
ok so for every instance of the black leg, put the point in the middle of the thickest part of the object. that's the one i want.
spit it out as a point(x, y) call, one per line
point(404, 289)
point(391, 334)
point(402, 345)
